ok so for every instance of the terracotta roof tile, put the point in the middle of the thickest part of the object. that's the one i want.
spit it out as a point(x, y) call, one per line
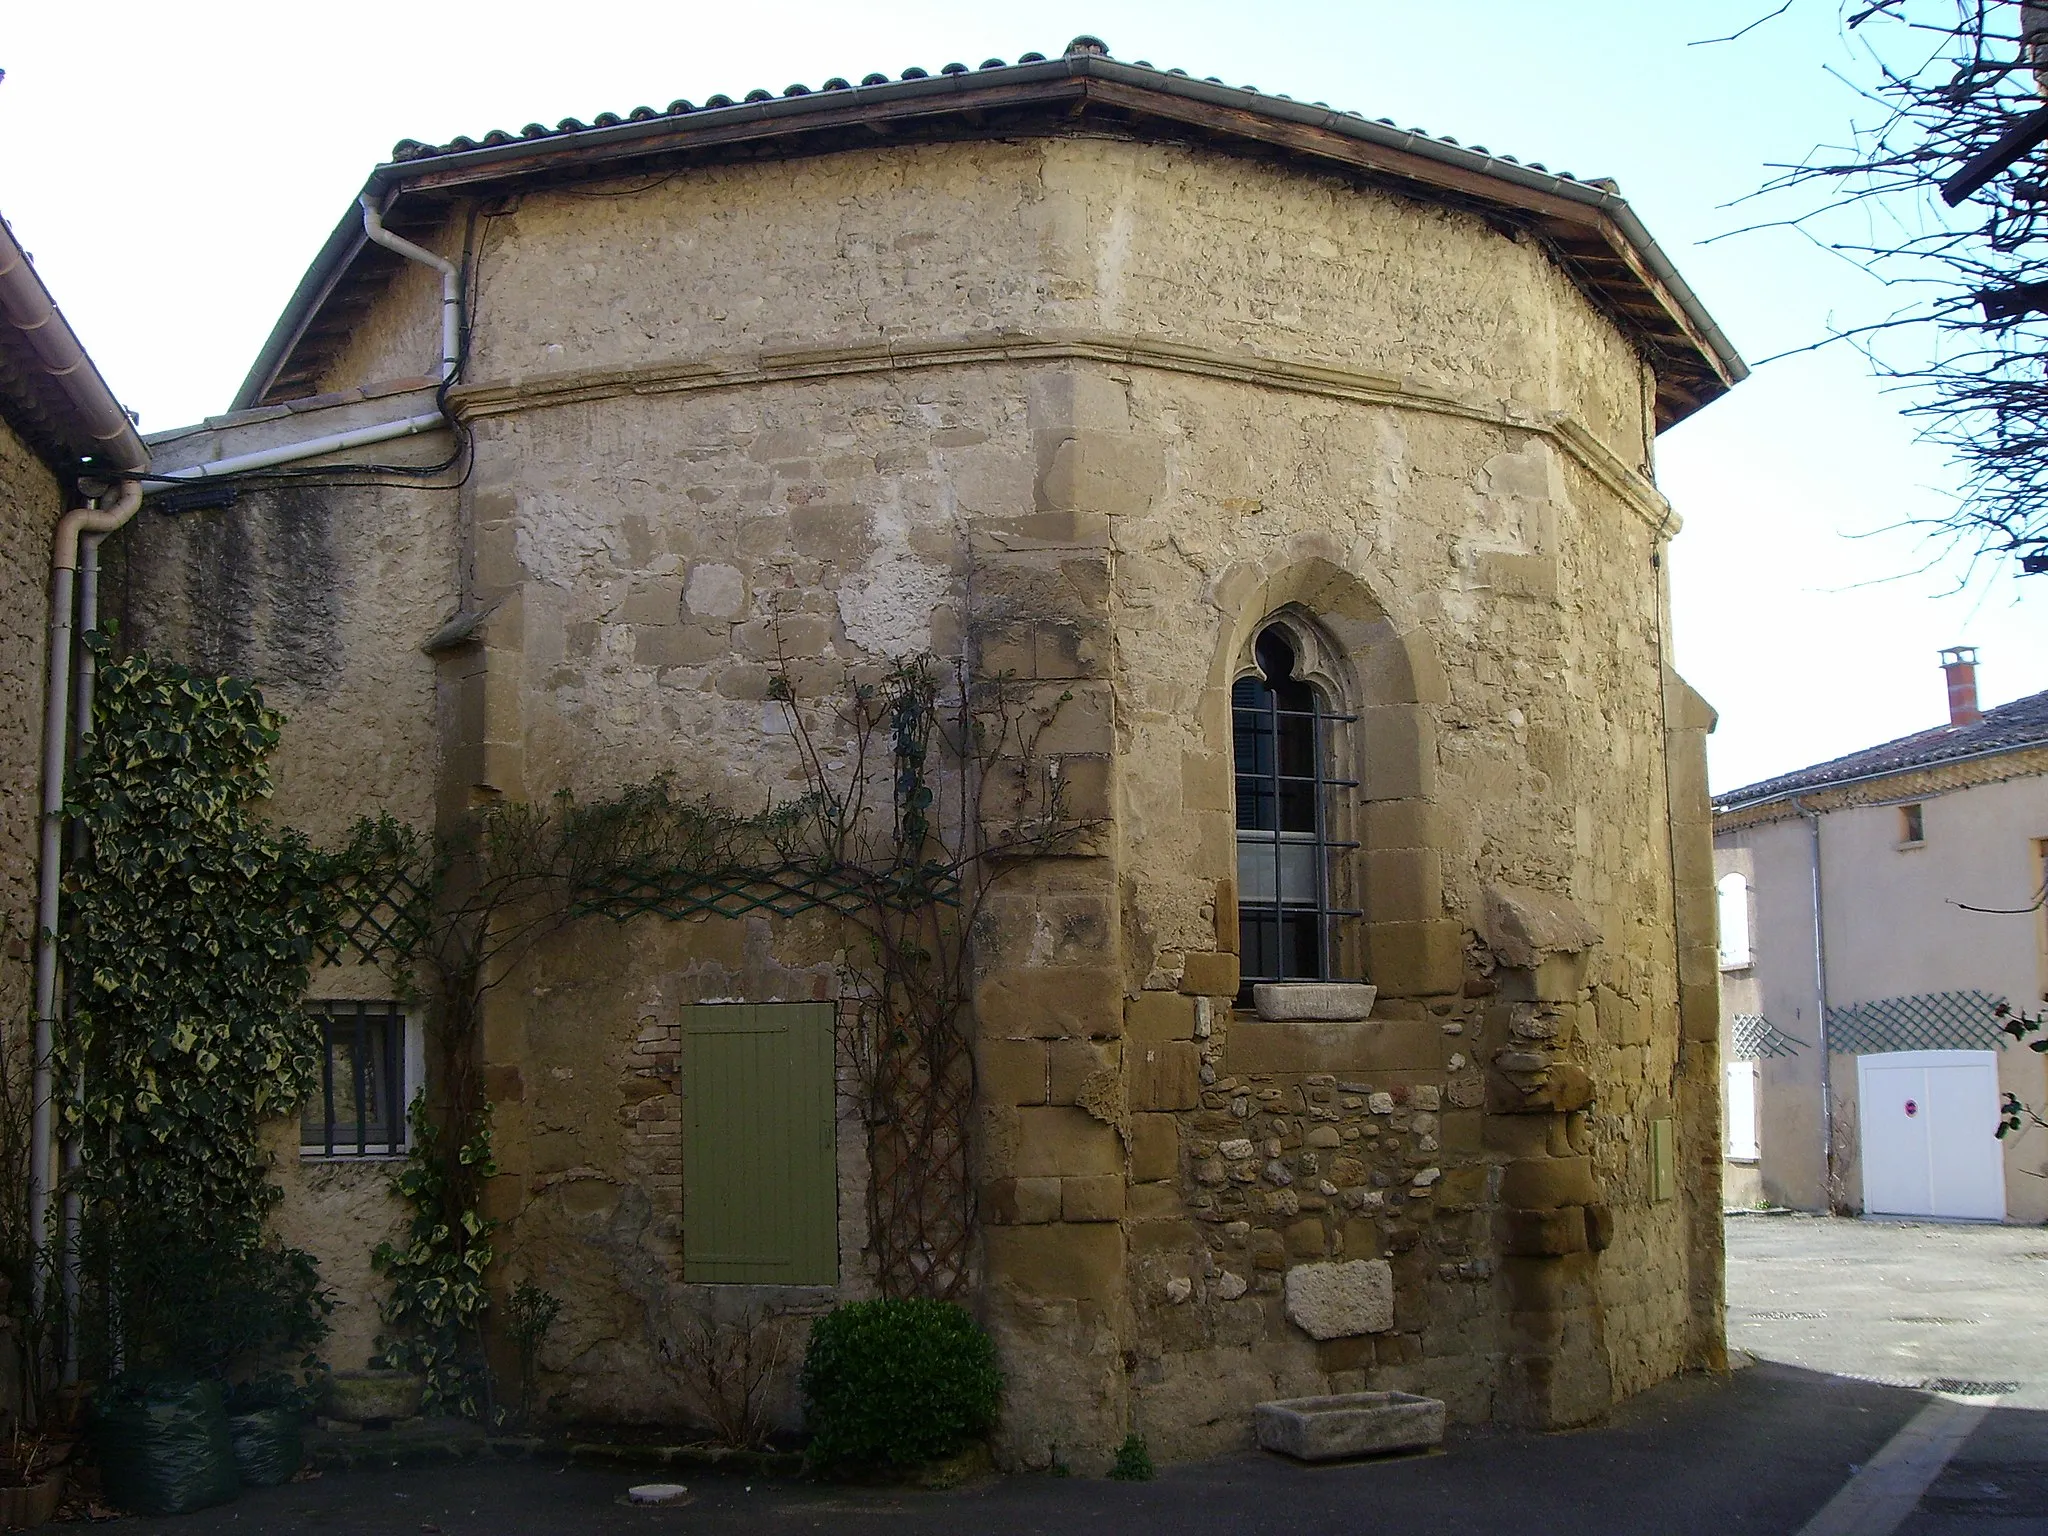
point(414, 149)
point(2008, 728)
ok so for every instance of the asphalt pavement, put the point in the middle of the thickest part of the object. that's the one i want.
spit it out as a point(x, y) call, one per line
point(1849, 1323)
point(1694, 1458)
point(1957, 1310)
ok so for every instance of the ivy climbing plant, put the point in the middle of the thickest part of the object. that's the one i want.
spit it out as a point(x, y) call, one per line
point(437, 1302)
point(189, 926)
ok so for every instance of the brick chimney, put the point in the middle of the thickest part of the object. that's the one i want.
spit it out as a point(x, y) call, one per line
point(1960, 663)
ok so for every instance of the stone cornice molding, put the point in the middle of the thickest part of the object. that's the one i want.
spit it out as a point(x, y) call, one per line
point(1906, 784)
point(545, 391)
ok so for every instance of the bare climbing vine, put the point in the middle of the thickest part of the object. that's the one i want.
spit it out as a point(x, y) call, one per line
point(919, 791)
point(966, 795)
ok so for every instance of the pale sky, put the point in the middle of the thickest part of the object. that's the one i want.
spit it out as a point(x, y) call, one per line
point(174, 168)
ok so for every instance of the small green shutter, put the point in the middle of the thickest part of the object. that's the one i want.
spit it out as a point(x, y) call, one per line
point(760, 1184)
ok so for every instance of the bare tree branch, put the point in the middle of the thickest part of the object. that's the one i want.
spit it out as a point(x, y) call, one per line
point(1742, 31)
point(1948, 80)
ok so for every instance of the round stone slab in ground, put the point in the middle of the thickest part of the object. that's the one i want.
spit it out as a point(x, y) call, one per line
point(657, 1493)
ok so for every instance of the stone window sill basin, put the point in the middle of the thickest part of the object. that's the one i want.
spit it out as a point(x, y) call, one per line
point(1350, 1424)
point(1331, 1002)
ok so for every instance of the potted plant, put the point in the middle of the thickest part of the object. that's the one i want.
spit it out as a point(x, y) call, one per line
point(31, 1477)
point(192, 1312)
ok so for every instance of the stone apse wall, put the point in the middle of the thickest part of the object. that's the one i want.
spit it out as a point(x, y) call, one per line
point(1089, 412)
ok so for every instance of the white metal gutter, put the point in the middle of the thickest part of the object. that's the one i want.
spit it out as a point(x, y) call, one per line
point(78, 523)
point(95, 415)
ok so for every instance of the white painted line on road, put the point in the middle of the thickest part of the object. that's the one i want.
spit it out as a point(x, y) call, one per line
point(1876, 1501)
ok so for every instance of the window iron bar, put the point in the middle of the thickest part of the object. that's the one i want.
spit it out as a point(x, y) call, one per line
point(361, 1065)
point(327, 1075)
point(364, 1029)
point(1305, 778)
point(1267, 908)
point(1257, 727)
point(394, 1080)
point(1316, 714)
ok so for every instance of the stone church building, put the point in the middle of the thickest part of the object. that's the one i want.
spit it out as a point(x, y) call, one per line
point(1304, 461)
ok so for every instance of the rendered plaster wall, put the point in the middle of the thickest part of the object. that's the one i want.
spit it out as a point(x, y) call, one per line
point(30, 503)
point(1779, 984)
point(648, 565)
point(751, 418)
point(1080, 235)
point(1896, 927)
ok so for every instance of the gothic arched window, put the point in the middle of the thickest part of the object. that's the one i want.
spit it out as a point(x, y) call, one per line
point(1286, 811)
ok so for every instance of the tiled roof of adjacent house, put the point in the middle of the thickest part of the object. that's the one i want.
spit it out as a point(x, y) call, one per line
point(2009, 728)
point(1585, 224)
point(51, 394)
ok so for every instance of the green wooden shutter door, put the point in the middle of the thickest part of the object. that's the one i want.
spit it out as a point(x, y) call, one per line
point(760, 1182)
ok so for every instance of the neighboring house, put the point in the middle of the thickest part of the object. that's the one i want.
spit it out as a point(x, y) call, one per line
point(1305, 461)
point(61, 430)
point(1924, 858)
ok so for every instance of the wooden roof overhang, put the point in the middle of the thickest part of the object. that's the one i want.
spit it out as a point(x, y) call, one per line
point(1588, 228)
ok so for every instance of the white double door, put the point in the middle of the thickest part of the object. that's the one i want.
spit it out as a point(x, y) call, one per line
point(1929, 1125)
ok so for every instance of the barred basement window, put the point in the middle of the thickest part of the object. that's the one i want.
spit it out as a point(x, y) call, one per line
point(1286, 808)
point(357, 1107)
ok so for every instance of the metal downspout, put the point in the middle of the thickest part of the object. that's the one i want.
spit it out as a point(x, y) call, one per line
point(451, 283)
point(356, 437)
point(1820, 989)
point(72, 1229)
point(71, 527)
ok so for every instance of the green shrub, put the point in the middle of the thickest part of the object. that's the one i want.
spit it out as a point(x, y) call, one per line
point(894, 1383)
point(1133, 1461)
point(163, 1301)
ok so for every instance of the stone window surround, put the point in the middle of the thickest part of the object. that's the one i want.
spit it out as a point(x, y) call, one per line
point(1319, 664)
point(1391, 679)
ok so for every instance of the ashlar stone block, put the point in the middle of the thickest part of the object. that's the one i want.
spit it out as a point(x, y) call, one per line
point(1341, 1301)
point(1209, 975)
point(1166, 1076)
point(1155, 1147)
point(1153, 1017)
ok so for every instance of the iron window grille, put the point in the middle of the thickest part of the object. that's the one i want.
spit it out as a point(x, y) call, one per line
point(357, 1108)
point(1281, 742)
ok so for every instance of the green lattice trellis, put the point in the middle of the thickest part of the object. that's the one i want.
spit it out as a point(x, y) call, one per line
point(1756, 1037)
point(388, 913)
point(1932, 1021)
point(786, 891)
